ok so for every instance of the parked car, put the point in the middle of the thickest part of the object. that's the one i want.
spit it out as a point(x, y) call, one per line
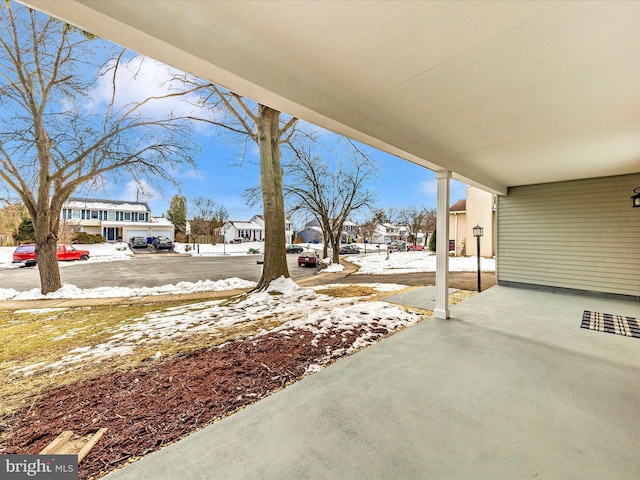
point(308, 258)
point(349, 250)
point(26, 254)
point(397, 246)
point(295, 249)
point(417, 248)
point(162, 243)
point(138, 242)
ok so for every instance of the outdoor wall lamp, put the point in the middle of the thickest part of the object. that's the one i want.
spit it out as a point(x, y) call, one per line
point(636, 198)
point(477, 232)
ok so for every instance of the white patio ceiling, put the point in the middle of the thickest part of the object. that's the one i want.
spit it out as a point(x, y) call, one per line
point(500, 93)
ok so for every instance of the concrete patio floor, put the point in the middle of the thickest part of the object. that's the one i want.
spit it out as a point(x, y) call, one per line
point(510, 387)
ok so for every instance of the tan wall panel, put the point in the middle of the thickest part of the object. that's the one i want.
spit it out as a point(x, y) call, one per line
point(582, 235)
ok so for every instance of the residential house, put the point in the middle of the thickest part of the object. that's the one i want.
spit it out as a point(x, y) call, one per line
point(349, 232)
point(388, 232)
point(477, 209)
point(311, 233)
point(288, 226)
point(251, 230)
point(115, 220)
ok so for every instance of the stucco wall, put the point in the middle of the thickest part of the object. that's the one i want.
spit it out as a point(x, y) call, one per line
point(480, 212)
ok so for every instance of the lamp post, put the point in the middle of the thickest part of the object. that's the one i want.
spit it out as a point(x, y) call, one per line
point(477, 232)
point(636, 198)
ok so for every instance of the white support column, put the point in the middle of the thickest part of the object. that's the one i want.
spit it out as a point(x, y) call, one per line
point(442, 245)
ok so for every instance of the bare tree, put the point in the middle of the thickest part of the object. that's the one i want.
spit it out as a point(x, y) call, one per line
point(418, 220)
point(330, 195)
point(50, 144)
point(264, 126)
point(367, 230)
point(209, 218)
point(386, 215)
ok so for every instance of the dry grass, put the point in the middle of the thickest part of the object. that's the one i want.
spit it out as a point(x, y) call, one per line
point(345, 291)
point(38, 337)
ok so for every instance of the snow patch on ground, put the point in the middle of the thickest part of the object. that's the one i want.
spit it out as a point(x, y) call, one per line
point(71, 291)
point(412, 262)
point(296, 309)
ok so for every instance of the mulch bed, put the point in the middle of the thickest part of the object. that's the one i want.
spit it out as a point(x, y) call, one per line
point(147, 408)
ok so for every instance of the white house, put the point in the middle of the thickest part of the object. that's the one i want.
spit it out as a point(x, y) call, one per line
point(288, 226)
point(311, 233)
point(349, 231)
point(251, 231)
point(387, 232)
point(115, 220)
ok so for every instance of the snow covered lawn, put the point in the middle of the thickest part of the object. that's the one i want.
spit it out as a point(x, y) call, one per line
point(284, 308)
point(412, 262)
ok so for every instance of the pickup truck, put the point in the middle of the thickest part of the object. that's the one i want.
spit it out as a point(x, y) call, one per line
point(26, 254)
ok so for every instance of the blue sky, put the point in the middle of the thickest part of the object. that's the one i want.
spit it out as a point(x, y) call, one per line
point(225, 168)
point(221, 176)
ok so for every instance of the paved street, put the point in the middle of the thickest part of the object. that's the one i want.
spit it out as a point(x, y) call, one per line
point(150, 271)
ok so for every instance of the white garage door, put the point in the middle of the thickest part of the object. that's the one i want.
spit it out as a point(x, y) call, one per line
point(136, 233)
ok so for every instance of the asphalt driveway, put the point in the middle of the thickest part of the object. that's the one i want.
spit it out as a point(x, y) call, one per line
point(151, 271)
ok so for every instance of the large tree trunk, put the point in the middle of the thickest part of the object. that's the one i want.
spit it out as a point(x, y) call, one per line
point(325, 244)
point(47, 254)
point(275, 258)
point(335, 245)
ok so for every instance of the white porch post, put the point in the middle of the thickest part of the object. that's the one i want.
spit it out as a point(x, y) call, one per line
point(442, 246)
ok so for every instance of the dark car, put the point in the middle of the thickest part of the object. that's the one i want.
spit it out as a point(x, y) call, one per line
point(294, 249)
point(349, 250)
point(308, 258)
point(138, 242)
point(397, 246)
point(162, 243)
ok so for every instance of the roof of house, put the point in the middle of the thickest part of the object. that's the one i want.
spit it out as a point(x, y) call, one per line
point(104, 204)
point(459, 206)
point(242, 225)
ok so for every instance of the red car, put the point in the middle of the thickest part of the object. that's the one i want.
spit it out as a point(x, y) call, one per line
point(418, 248)
point(308, 258)
point(26, 254)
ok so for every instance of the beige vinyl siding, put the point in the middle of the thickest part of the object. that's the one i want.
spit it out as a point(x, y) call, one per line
point(581, 235)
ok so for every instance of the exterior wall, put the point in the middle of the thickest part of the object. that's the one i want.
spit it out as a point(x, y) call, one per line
point(480, 212)
point(458, 231)
point(581, 235)
point(311, 235)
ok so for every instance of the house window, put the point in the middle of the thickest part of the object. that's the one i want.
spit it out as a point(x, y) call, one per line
point(94, 214)
point(75, 214)
point(127, 216)
point(111, 215)
point(83, 214)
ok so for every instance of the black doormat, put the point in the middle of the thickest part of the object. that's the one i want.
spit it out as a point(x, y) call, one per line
point(606, 322)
